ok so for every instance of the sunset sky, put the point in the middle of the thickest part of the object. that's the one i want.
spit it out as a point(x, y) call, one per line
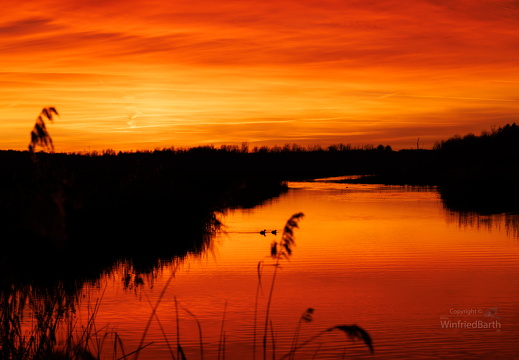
point(138, 74)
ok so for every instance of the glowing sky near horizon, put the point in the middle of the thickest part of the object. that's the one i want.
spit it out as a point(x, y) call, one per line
point(138, 74)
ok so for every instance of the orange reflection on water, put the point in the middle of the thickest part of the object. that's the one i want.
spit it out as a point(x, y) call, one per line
point(384, 258)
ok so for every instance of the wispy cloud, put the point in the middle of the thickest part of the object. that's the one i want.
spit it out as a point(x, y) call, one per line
point(266, 71)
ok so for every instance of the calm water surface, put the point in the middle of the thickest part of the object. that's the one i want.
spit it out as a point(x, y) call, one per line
point(389, 259)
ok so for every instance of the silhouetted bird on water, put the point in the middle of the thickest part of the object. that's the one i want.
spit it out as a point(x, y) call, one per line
point(264, 232)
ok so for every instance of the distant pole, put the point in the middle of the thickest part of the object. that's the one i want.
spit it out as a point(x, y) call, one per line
point(418, 144)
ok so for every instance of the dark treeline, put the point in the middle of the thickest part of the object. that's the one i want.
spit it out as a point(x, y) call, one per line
point(68, 218)
point(474, 173)
point(75, 215)
point(481, 173)
point(278, 163)
point(84, 211)
point(149, 204)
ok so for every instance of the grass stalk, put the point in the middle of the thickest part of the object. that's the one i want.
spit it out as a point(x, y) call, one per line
point(273, 340)
point(316, 351)
point(267, 311)
point(294, 340)
point(199, 333)
point(163, 331)
point(50, 313)
point(154, 310)
point(221, 344)
point(136, 351)
point(256, 302)
point(180, 352)
point(305, 317)
point(280, 250)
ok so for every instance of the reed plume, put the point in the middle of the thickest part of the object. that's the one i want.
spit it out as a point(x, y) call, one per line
point(39, 134)
point(306, 317)
point(280, 250)
point(353, 332)
point(283, 248)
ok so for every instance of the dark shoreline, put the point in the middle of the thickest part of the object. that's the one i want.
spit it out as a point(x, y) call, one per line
point(86, 211)
point(67, 219)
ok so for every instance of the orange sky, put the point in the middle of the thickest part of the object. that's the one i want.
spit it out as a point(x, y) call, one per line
point(138, 74)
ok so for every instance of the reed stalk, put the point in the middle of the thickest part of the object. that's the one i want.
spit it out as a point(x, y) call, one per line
point(280, 250)
point(154, 310)
point(256, 302)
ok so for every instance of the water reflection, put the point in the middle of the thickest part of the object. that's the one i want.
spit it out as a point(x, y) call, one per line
point(383, 257)
point(483, 215)
point(33, 321)
point(391, 259)
point(507, 222)
point(473, 213)
point(50, 293)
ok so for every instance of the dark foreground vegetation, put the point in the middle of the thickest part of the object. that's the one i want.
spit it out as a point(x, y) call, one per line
point(68, 218)
point(53, 331)
point(141, 206)
point(105, 206)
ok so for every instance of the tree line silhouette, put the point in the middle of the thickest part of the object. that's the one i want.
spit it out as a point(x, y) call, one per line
point(473, 173)
point(79, 202)
point(66, 217)
point(481, 172)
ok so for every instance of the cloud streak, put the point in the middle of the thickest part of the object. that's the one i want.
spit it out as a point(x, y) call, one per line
point(268, 71)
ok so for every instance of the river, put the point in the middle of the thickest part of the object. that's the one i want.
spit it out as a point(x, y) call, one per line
point(423, 281)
